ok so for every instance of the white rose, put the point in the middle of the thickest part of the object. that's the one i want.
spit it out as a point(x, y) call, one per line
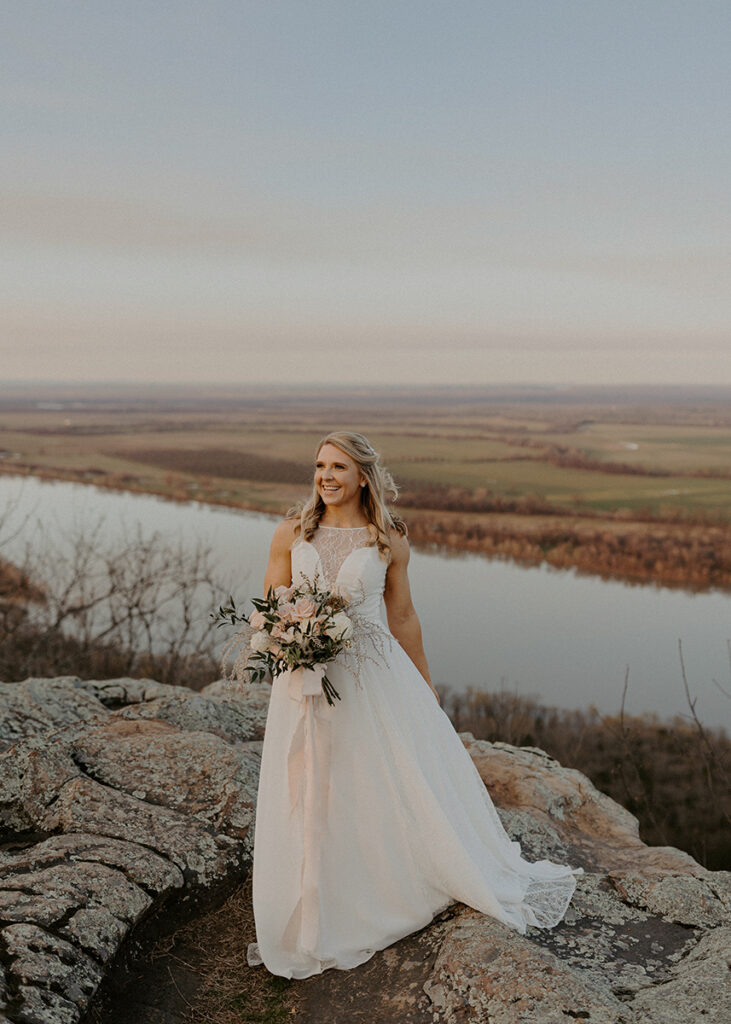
point(259, 641)
point(340, 626)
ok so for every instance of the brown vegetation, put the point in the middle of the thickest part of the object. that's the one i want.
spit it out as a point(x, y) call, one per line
point(139, 611)
point(200, 975)
point(671, 775)
point(230, 992)
point(445, 498)
point(27, 652)
point(16, 587)
point(689, 556)
point(226, 463)
point(452, 498)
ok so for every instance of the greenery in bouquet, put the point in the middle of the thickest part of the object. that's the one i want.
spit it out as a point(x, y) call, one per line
point(299, 626)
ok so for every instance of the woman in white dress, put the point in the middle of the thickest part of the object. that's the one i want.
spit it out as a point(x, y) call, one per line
point(371, 816)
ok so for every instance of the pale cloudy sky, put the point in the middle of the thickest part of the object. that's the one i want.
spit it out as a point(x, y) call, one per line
point(329, 190)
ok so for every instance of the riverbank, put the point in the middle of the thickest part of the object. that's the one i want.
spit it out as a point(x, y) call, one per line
point(689, 556)
point(682, 552)
point(628, 483)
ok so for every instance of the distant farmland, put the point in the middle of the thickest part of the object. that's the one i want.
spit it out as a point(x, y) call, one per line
point(635, 482)
point(223, 463)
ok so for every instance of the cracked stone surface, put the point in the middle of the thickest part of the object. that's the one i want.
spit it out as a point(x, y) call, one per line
point(698, 987)
point(699, 902)
point(125, 802)
point(485, 972)
point(638, 922)
point(42, 705)
point(118, 799)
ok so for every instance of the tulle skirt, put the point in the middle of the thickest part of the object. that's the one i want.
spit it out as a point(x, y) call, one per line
point(371, 818)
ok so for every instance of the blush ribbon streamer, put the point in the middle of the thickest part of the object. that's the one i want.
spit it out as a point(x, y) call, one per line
point(308, 770)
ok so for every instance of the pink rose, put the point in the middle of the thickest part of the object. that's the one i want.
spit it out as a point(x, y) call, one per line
point(281, 632)
point(257, 620)
point(284, 592)
point(286, 612)
point(304, 608)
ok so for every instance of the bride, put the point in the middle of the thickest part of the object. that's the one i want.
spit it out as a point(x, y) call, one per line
point(371, 817)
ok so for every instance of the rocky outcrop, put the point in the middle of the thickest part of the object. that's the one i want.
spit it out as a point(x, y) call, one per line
point(643, 922)
point(646, 939)
point(127, 804)
point(121, 802)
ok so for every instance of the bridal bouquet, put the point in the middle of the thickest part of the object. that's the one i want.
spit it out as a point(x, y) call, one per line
point(301, 626)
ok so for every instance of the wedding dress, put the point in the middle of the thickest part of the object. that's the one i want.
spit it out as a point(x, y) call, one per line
point(371, 816)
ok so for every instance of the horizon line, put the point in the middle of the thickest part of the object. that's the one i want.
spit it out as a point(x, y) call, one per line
point(349, 384)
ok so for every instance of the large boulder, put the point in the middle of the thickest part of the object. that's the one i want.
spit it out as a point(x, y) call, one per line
point(122, 803)
point(645, 924)
point(127, 805)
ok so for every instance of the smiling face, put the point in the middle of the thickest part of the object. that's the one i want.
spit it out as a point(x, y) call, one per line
point(337, 477)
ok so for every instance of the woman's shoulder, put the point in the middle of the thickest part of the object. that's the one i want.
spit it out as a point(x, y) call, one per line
point(285, 532)
point(399, 544)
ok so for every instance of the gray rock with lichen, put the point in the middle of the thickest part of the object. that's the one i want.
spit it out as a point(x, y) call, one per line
point(645, 923)
point(696, 988)
point(123, 801)
point(116, 798)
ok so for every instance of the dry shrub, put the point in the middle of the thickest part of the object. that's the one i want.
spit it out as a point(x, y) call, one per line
point(691, 557)
point(82, 606)
point(672, 775)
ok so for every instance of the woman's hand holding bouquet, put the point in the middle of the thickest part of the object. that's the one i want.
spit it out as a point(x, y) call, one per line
point(292, 627)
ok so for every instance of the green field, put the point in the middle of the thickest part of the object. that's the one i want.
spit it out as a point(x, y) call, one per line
point(666, 448)
point(485, 444)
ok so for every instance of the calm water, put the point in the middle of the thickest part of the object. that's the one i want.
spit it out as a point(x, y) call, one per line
point(540, 632)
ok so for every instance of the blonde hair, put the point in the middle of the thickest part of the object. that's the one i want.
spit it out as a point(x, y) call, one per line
point(379, 484)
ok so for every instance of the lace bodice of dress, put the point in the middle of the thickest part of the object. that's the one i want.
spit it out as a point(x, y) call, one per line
point(334, 544)
point(345, 559)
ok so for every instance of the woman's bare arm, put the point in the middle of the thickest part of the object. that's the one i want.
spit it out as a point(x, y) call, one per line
point(279, 569)
point(402, 618)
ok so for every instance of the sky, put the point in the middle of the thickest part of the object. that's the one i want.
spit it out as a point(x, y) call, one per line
point(530, 191)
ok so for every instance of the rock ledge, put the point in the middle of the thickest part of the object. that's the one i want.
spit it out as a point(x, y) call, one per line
point(127, 804)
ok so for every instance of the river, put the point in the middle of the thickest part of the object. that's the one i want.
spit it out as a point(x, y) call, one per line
point(550, 634)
